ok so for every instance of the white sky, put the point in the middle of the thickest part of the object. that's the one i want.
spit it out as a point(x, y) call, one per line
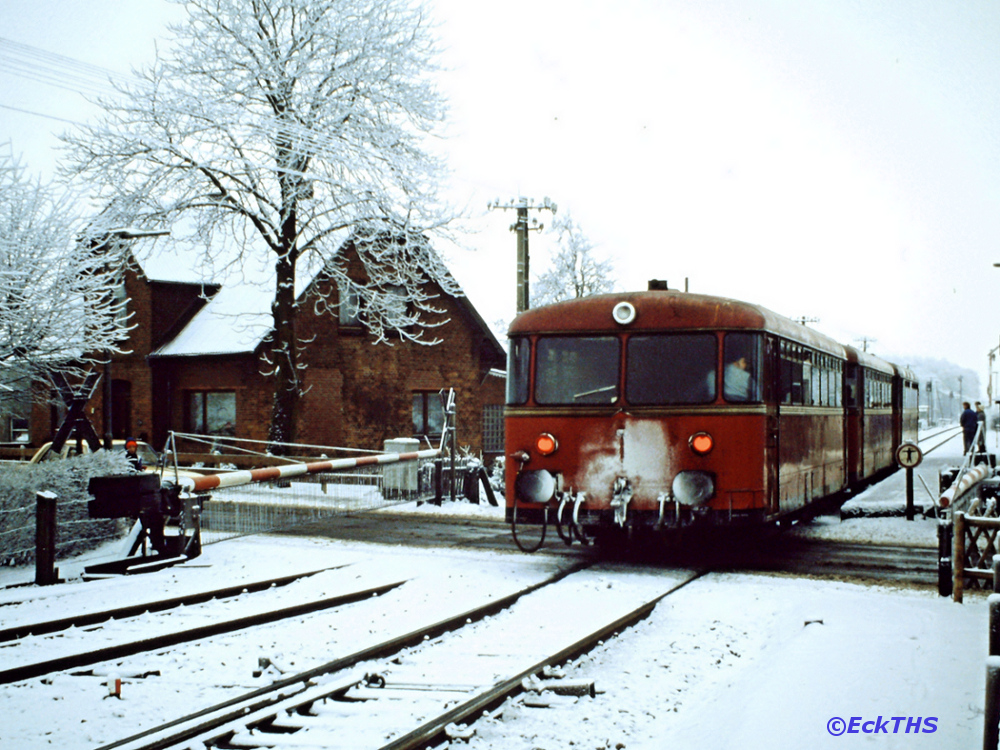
point(835, 159)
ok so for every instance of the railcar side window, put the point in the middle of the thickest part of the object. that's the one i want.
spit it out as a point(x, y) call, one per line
point(671, 369)
point(518, 361)
point(577, 370)
point(741, 355)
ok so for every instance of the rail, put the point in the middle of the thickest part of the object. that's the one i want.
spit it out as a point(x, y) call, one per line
point(217, 717)
point(423, 713)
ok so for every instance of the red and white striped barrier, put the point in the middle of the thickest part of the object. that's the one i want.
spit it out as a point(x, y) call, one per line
point(969, 480)
point(238, 478)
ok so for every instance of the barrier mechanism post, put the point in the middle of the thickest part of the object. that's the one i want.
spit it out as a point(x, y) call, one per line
point(45, 539)
point(438, 480)
point(991, 716)
point(945, 574)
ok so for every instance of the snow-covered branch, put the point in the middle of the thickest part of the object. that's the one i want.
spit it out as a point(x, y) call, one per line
point(62, 305)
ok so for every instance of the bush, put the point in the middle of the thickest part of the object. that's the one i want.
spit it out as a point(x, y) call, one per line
point(67, 479)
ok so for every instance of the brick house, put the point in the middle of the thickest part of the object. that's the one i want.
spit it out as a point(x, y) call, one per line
point(196, 361)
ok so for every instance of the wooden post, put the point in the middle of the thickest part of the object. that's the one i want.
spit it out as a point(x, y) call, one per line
point(993, 607)
point(991, 717)
point(45, 539)
point(958, 557)
point(996, 574)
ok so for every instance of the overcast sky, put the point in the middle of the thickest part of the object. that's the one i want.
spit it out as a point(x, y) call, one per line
point(835, 159)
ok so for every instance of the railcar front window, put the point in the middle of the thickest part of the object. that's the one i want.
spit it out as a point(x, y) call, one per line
point(671, 369)
point(577, 370)
point(518, 359)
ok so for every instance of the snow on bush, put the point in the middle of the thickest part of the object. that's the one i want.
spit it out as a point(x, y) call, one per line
point(67, 479)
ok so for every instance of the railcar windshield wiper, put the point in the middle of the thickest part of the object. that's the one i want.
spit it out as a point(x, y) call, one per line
point(605, 389)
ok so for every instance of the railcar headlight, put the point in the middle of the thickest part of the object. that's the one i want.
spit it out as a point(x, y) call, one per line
point(623, 313)
point(693, 487)
point(535, 486)
point(701, 443)
point(546, 444)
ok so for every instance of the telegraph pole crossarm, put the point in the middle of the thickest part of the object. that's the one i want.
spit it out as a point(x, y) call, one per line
point(522, 226)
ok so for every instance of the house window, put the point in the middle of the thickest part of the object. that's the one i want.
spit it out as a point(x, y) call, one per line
point(19, 430)
point(493, 434)
point(395, 305)
point(211, 412)
point(389, 306)
point(349, 312)
point(428, 414)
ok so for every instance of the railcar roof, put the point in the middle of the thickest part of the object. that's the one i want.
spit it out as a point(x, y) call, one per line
point(871, 361)
point(669, 309)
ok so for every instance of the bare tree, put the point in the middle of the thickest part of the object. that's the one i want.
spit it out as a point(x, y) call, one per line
point(575, 271)
point(281, 126)
point(61, 304)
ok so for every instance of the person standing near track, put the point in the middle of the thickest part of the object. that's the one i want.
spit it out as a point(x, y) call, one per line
point(981, 426)
point(969, 423)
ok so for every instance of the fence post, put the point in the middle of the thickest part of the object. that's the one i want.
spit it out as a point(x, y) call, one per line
point(993, 607)
point(991, 716)
point(45, 538)
point(958, 557)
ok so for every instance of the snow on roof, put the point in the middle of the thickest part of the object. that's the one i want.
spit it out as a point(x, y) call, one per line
point(234, 321)
point(238, 318)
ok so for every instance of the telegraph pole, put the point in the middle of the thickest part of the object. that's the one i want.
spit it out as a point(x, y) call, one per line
point(522, 226)
point(865, 341)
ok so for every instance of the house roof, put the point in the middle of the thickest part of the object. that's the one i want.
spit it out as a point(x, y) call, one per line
point(238, 318)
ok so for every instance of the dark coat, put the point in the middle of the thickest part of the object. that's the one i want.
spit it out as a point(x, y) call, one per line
point(969, 422)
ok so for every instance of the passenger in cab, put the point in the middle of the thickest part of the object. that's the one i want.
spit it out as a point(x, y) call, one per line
point(737, 383)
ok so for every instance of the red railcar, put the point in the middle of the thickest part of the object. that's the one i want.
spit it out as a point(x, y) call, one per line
point(664, 409)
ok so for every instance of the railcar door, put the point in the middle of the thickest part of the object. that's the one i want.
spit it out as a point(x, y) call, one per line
point(772, 389)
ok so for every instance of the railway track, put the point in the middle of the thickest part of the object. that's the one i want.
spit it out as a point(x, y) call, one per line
point(418, 689)
point(212, 626)
point(22, 630)
point(939, 438)
point(37, 649)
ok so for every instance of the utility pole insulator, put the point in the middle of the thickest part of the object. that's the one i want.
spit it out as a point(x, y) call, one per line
point(522, 226)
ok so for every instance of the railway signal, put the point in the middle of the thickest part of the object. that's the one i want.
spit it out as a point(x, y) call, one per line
point(909, 456)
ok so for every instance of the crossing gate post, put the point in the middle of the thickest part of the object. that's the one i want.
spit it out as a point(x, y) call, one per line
point(945, 573)
point(46, 572)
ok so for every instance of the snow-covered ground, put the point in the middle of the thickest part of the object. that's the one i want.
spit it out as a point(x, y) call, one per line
point(731, 661)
